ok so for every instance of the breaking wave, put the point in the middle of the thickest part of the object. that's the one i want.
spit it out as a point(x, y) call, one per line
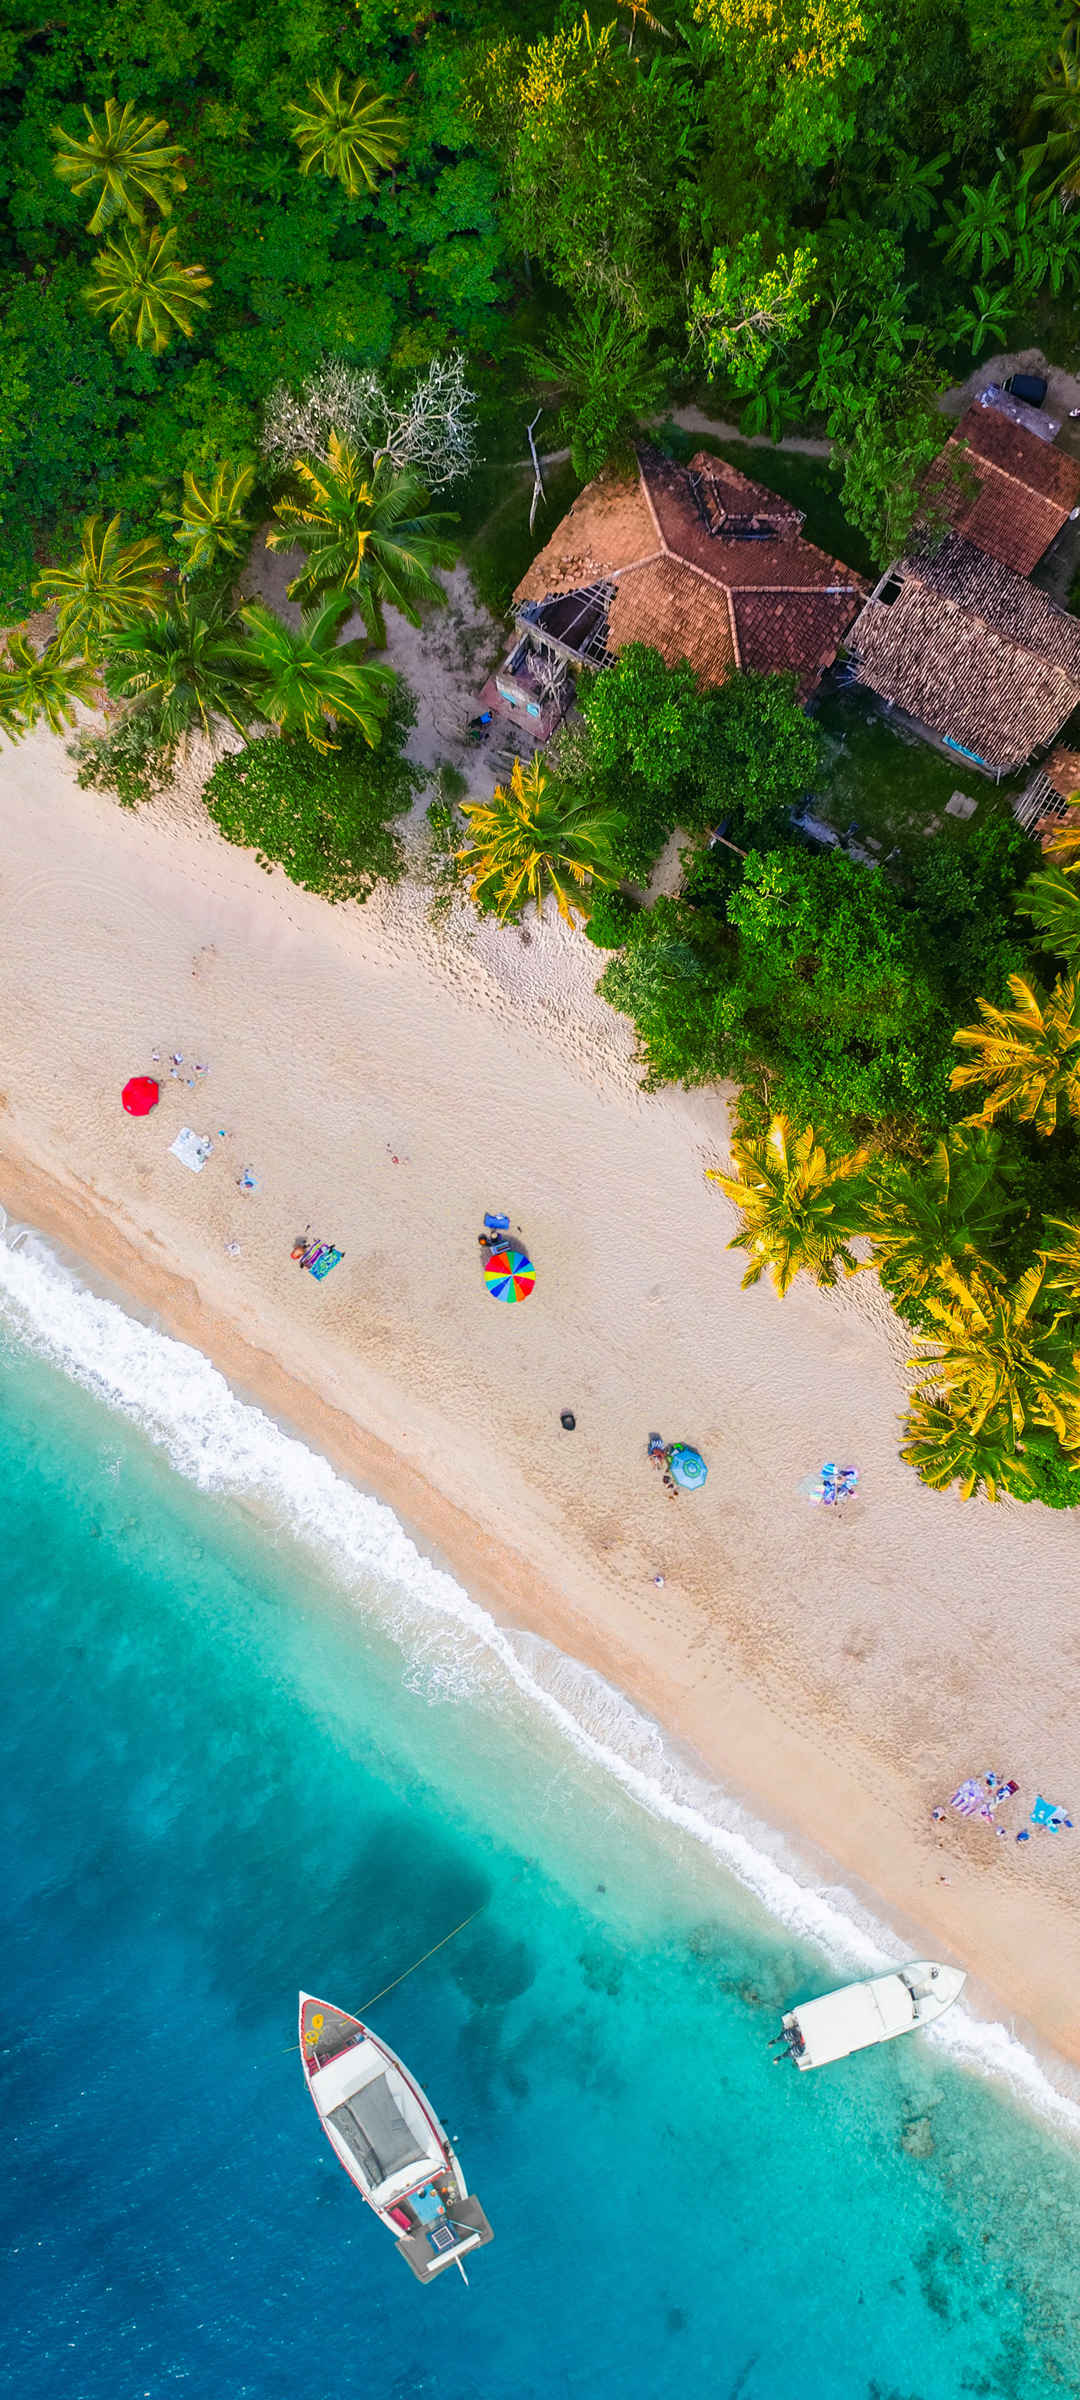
point(453, 1648)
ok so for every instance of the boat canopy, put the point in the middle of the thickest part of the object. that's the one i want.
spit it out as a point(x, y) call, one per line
point(850, 2020)
point(373, 2116)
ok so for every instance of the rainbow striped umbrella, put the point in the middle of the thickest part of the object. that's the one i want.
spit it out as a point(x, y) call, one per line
point(509, 1275)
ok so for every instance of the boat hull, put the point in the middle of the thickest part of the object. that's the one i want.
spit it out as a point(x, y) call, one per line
point(384, 2132)
point(860, 2015)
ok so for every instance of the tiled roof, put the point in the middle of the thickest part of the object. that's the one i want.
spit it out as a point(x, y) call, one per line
point(973, 652)
point(1003, 488)
point(608, 529)
point(708, 566)
point(662, 605)
point(800, 632)
point(786, 563)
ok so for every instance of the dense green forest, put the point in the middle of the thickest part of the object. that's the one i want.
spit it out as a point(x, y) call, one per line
point(319, 265)
point(821, 209)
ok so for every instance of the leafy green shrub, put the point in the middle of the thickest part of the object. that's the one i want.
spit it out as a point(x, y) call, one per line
point(327, 819)
point(447, 832)
point(669, 979)
point(610, 919)
point(1057, 1484)
point(128, 759)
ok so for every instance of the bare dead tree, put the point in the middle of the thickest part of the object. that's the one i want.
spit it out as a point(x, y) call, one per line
point(432, 431)
point(549, 676)
point(538, 484)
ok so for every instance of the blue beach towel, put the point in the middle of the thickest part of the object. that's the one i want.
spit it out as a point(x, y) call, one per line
point(322, 1266)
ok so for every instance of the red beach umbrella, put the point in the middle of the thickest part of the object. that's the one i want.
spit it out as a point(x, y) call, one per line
point(140, 1095)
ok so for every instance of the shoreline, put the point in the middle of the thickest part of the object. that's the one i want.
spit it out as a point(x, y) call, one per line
point(411, 1080)
point(87, 1245)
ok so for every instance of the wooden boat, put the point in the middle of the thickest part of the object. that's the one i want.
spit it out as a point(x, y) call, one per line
point(862, 2014)
point(389, 2140)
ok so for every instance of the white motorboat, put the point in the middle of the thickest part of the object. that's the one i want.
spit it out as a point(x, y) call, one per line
point(388, 2139)
point(862, 2014)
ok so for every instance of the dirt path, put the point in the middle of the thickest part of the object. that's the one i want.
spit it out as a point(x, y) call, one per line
point(694, 420)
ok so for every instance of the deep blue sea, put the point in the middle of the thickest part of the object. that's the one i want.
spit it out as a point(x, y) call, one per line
point(251, 1741)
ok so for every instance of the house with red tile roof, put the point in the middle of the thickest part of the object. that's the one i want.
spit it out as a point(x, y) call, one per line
point(1002, 488)
point(699, 562)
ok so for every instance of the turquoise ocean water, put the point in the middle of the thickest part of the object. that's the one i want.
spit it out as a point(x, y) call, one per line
point(252, 1741)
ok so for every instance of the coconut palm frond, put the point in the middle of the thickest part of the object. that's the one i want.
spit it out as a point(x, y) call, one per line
point(1026, 1057)
point(800, 1206)
point(349, 130)
point(537, 837)
point(106, 587)
point(121, 162)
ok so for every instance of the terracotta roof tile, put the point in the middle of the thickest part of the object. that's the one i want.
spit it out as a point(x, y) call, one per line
point(794, 632)
point(785, 564)
point(662, 605)
point(1023, 490)
point(1040, 465)
point(973, 652)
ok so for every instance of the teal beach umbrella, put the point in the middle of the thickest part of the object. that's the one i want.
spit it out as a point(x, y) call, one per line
point(686, 1467)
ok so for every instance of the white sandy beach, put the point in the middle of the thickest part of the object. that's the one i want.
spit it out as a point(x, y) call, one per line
point(386, 1083)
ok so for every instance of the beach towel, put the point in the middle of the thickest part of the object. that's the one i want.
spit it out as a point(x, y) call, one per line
point(1046, 1813)
point(192, 1149)
point(497, 1224)
point(327, 1259)
point(967, 1798)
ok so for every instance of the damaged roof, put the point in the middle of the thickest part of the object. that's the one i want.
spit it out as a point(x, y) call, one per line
point(707, 565)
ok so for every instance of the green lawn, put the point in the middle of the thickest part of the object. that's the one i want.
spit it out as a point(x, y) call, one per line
point(894, 790)
point(496, 543)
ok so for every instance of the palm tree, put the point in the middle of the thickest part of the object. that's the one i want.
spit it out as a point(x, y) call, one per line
point(927, 1219)
point(140, 283)
point(535, 836)
point(1063, 1258)
point(109, 584)
point(213, 523)
point(800, 1207)
point(44, 683)
point(987, 317)
point(301, 679)
point(180, 668)
point(363, 528)
point(1028, 1056)
point(997, 1354)
point(600, 367)
point(124, 160)
point(1052, 901)
point(982, 223)
point(1063, 844)
point(349, 130)
point(944, 1446)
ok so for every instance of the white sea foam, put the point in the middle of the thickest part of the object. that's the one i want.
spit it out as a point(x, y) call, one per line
point(455, 1649)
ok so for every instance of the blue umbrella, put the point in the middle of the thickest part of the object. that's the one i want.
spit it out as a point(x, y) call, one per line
point(686, 1467)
